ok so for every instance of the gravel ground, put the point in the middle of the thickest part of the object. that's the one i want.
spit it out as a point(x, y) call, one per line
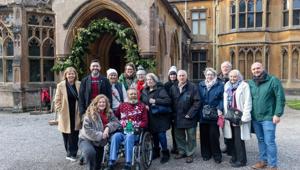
point(27, 142)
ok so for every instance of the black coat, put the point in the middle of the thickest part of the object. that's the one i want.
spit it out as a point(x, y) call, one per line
point(185, 103)
point(85, 92)
point(161, 121)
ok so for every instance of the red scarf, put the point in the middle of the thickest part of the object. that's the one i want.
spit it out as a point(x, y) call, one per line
point(104, 118)
point(140, 87)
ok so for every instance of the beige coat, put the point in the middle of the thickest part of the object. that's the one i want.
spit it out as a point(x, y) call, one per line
point(244, 103)
point(62, 108)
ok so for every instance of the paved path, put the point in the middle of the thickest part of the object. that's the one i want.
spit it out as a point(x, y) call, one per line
point(27, 142)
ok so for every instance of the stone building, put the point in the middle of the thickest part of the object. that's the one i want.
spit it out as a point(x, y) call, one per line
point(34, 33)
point(244, 31)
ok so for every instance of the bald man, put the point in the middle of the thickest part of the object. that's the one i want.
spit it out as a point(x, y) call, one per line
point(268, 103)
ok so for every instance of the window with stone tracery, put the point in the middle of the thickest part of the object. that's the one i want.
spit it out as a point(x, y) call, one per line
point(41, 47)
point(249, 13)
point(247, 56)
point(6, 48)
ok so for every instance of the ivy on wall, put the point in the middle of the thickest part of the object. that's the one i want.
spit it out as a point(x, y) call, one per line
point(96, 28)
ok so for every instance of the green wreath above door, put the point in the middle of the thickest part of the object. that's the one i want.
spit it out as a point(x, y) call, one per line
point(124, 37)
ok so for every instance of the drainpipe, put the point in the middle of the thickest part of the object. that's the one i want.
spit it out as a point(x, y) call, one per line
point(185, 10)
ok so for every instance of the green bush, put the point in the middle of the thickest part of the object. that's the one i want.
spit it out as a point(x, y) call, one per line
point(294, 104)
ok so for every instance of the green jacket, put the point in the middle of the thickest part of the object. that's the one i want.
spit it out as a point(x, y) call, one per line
point(122, 79)
point(267, 99)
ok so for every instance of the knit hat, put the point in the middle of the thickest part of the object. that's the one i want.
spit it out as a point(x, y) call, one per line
point(141, 70)
point(172, 70)
point(111, 70)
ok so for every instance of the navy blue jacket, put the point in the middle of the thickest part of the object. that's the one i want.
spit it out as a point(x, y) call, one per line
point(213, 98)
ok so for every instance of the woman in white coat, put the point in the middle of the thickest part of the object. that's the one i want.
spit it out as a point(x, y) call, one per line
point(237, 95)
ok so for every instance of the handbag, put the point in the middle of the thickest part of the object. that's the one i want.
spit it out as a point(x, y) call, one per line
point(234, 115)
point(160, 109)
point(209, 113)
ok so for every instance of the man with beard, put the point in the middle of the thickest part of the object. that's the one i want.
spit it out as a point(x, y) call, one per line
point(132, 115)
point(128, 78)
point(268, 102)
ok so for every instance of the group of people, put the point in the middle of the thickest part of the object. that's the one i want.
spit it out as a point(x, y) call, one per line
point(115, 108)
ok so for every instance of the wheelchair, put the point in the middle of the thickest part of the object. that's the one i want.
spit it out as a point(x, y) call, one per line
point(141, 153)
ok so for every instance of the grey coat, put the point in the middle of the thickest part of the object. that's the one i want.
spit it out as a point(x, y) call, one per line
point(93, 130)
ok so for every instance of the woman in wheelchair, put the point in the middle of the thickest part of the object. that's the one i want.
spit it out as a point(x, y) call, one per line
point(132, 115)
point(99, 121)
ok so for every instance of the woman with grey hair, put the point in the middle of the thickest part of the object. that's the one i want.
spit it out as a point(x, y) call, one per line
point(211, 94)
point(237, 96)
point(154, 93)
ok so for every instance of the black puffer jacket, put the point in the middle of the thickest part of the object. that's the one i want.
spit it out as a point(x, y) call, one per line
point(161, 121)
point(185, 103)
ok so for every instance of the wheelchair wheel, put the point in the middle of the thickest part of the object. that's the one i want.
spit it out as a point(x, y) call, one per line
point(146, 151)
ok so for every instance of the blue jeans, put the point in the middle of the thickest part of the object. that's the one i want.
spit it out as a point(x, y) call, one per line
point(265, 133)
point(116, 140)
point(161, 138)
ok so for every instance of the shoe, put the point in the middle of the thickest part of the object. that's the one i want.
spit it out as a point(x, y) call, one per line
point(232, 161)
point(272, 168)
point(110, 167)
point(238, 164)
point(218, 161)
point(189, 159)
point(259, 165)
point(81, 160)
point(156, 153)
point(205, 159)
point(179, 156)
point(174, 151)
point(165, 156)
point(126, 167)
point(71, 158)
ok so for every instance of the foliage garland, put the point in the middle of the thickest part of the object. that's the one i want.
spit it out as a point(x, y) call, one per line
point(124, 36)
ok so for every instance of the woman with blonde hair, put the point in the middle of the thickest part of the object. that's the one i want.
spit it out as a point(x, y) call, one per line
point(66, 105)
point(98, 123)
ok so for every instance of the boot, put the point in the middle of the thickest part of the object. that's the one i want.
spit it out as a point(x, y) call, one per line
point(156, 154)
point(165, 156)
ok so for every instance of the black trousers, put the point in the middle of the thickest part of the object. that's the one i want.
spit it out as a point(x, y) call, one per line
point(92, 154)
point(71, 142)
point(210, 144)
point(173, 136)
point(238, 149)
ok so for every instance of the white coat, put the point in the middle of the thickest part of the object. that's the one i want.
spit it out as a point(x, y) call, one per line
point(244, 104)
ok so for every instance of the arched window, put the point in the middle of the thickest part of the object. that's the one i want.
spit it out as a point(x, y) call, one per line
point(242, 14)
point(48, 48)
point(9, 47)
point(284, 65)
point(285, 13)
point(296, 12)
point(232, 58)
point(249, 61)
point(34, 47)
point(242, 63)
point(232, 14)
point(295, 65)
point(258, 13)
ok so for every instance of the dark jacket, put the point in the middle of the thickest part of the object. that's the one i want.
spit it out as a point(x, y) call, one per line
point(169, 84)
point(267, 99)
point(161, 121)
point(120, 91)
point(213, 98)
point(86, 91)
point(185, 103)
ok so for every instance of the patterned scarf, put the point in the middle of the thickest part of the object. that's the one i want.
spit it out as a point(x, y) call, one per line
point(210, 84)
point(231, 92)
